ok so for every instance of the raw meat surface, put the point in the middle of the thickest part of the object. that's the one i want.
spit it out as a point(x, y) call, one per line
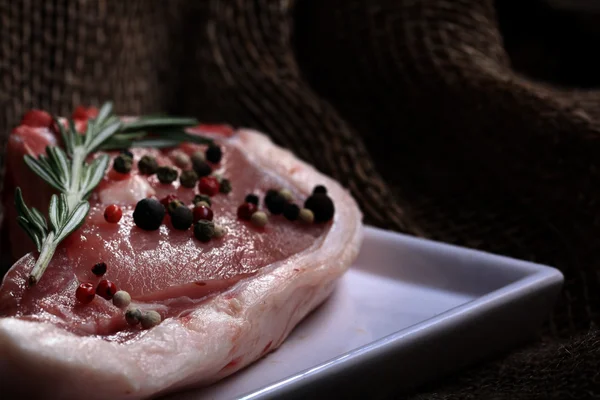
point(224, 304)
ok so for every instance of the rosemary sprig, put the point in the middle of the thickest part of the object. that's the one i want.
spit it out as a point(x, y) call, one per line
point(68, 172)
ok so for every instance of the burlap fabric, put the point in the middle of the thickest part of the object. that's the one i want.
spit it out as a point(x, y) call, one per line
point(415, 106)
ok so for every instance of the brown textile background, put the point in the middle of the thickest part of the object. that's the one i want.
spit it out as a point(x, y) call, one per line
point(425, 110)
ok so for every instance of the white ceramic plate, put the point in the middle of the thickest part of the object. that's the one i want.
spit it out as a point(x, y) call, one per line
point(408, 307)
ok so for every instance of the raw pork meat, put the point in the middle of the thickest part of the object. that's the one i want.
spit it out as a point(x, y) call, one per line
point(224, 303)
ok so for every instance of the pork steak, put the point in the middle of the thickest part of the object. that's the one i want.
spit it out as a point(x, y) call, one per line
point(224, 304)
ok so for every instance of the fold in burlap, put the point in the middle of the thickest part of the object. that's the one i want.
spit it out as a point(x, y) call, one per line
point(415, 106)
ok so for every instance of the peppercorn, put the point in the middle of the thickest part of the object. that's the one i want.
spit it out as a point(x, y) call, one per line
point(127, 153)
point(85, 293)
point(225, 186)
point(188, 178)
point(202, 212)
point(259, 219)
point(219, 232)
point(286, 194)
point(181, 218)
point(113, 214)
point(168, 199)
point(133, 316)
point(201, 197)
point(150, 319)
point(122, 164)
point(246, 210)
point(214, 154)
point(291, 211)
point(148, 214)
point(166, 174)
point(321, 205)
point(173, 205)
point(275, 203)
point(182, 160)
point(201, 168)
point(251, 198)
point(209, 185)
point(204, 230)
point(306, 216)
point(147, 165)
point(319, 189)
point(270, 193)
point(197, 158)
point(106, 289)
point(121, 299)
point(99, 269)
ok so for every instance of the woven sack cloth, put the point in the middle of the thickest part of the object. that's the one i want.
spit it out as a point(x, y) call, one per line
point(415, 106)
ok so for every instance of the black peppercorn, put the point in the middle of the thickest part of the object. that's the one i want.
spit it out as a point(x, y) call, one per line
point(148, 214)
point(320, 189)
point(275, 203)
point(270, 193)
point(188, 179)
point(214, 154)
point(99, 269)
point(251, 198)
point(201, 197)
point(291, 211)
point(321, 205)
point(127, 153)
point(147, 165)
point(122, 164)
point(225, 186)
point(166, 174)
point(182, 218)
point(204, 230)
point(202, 169)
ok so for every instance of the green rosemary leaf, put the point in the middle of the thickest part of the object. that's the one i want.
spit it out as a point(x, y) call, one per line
point(60, 164)
point(181, 136)
point(23, 223)
point(65, 135)
point(89, 132)
point(104, 113)
point(157, 142)
point(42, 172)
point(103, 135)
point(63, 209)
point(39, 219)
point(74, 221)
point(76, 137)
point(54, 213)
point(22, 208)
point(149, 123)
point(96, 169)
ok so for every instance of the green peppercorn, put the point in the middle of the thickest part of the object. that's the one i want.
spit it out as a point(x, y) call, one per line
point(150, 319)
point(122, 163)
point(225, 186)
point(166, 174)
point(173, 204)
point(148, 214)
point(219, 232)
point(133, 316)
point(147, 165)
point(201, 197)
point(188, 178)
point(306, 216)
point(121, 299)
point(286, 194)
point(259, 219)
point(182, 218)
point(182, 160)
point(204, 230)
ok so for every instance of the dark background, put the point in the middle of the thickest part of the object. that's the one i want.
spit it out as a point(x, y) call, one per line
point(471, 122)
